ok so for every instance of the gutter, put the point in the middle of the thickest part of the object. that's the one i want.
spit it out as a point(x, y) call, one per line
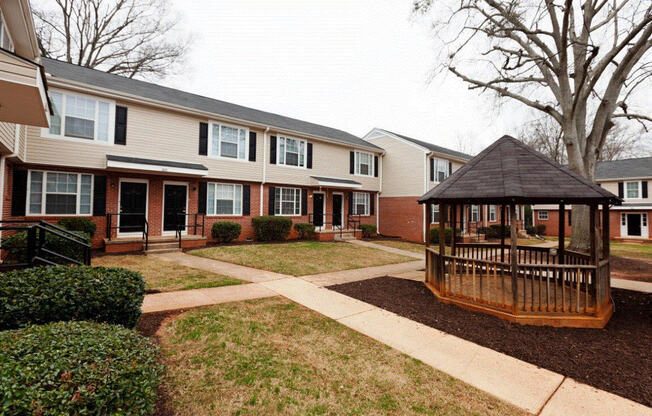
point(264, 169)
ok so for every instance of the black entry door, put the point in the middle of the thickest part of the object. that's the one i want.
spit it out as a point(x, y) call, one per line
point(175, 207)
point(318, 209)
point(634, 225)
point(133, 204)
point(337, 210)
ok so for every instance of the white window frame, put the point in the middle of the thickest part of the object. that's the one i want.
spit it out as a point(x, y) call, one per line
point(475, 212)
point(639, 190)
point(358, 163)
point(302, 145)
point(45, 131)
point(492, 213)
point(4, 31)
point(278, 200)
point(435, 208)
point(236, 186)
point(437, 163)
point(367, 203)
point(44, 194)
point(541, 216)
point(218, 155)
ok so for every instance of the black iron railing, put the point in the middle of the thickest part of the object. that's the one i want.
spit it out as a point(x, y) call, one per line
point(140, 225)
point(326, 219)
point(63, 246)
point(182, 224)
point(353, 221)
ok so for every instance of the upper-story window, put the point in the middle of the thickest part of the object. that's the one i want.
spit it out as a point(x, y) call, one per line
point(81, 117)
point(364, 164)
point(633, 190)
point(228, 141)
point(291, 152)
point(59, 193)
point(5, 38)
point(440, 167)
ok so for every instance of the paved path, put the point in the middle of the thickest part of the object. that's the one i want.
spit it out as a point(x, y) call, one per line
point(632, 285)
point(394, 250)
point(354, 275)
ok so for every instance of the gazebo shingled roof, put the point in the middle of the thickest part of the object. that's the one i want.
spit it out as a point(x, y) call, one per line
point(510, 171)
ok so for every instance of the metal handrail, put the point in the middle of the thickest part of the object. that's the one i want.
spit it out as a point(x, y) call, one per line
point(351, 219)
point(179, 227)
point(144, 227)
point(311, 220)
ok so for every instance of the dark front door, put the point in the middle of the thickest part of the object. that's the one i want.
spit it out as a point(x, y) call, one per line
point(174, 207)
point(318, 209)
point(133, 205)
point(337, 210)
point(634, 225)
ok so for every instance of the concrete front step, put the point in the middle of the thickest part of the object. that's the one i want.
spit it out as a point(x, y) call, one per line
point(162, 250)
point(163, 245)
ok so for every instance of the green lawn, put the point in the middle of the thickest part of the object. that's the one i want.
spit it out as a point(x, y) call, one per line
point(274, 357)
point(303, 257)
point(632, 251)
point(163, 276)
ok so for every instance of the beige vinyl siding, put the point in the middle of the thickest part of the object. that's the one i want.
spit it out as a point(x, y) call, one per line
point(7, 136)
point(403, 168)
point(330, 160)
point(612, 186)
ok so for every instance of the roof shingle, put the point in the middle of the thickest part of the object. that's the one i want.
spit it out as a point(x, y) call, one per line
point(627, 168)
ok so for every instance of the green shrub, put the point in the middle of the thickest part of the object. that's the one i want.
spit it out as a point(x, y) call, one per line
point(271, 228)
point(305, 230)
point(497, 231)
point(531, 230)
point(78, 368)
point(78, 224)
point(434, 234)
point(46, 294)
point(368, 230)
point(226, 231)
point(15, 247)
point(541, 229)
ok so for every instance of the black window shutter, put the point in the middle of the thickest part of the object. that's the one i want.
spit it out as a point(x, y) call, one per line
point(99, 195)
point(371, 204)
point(450, 168)
point(644, 189)
point(272, 200)
point(201, 198)
point(246, 191)
point(252, 146)
point(272, 152)
point(621, 190)
point(481, 209)
point(570, 217)
point(120, 125)
point(19, 193)
point(352, 163)
point(203, 139)
point(350, 202)
point(304, 202)
point(376, 166)
point(432, 169)
point(309, 156)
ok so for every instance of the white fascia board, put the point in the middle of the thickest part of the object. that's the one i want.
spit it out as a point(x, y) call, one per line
point(155, 168)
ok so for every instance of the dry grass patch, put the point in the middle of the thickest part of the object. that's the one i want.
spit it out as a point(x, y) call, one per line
point(163, 276)
point(632, 251)
point(274, 357)
point(302, 258)
point(402, 245)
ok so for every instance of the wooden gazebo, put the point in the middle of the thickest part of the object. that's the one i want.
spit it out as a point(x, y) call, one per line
point(525, 284)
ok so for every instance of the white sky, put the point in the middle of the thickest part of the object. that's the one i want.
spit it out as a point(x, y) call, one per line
point(351, 65)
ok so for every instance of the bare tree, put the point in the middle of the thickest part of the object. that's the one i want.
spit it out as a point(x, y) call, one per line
point(133, 38)
point(565, 58)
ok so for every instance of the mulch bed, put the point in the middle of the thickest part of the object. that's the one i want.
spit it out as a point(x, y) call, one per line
point(631, 269)
point(617, 358)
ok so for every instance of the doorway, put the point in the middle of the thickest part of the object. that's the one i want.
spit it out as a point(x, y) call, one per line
point(318, 209)
point(337, 210)
point(175, 204)
point(133, 207)
point(634, 224)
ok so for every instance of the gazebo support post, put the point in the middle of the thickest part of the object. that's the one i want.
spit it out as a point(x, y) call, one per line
point(442, 240)
point(513, 257)
point(428, 226)
point(605, 231)
point(605, 255)
point(562, 234)
point(453, 229)
point(502, 233)
point(594, 234)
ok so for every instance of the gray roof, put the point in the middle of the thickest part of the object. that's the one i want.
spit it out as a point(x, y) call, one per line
point(336, 180)
point(169, 163)
point(71, 72)
point(433, 147)
point(627, 168)
point(509, 171)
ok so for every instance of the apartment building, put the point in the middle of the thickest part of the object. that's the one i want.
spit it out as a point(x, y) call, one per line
point(629, 179)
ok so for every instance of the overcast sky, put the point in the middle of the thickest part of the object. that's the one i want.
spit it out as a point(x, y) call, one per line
point(352, 65)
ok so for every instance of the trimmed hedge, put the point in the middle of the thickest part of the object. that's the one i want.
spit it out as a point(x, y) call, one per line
point(63, 293)
point(271, 228)
point(305, 230)
point(79, 224)
point(226, 231)
point(434, 234)
point(540, 229)
point(15, 247)
point(494, 231)
point(79, 368)
point(368, 230)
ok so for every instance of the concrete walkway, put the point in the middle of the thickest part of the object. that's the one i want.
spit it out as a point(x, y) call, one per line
point(394, 250)
point(354, 275)
point(632, 285)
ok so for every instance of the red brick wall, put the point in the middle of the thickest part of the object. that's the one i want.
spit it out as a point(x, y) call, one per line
point(552, 224)
point(401, 217)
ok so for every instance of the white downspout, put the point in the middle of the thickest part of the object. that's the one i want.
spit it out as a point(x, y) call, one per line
point(380, 190)
point(261, 197)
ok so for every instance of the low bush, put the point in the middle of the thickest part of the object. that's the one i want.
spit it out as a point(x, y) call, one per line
point(305, 230)
point(15, 247)
point(63, 293)
point(541, 229)
point(271, 228)
point(78, 224)
point(497, 231)
point(226, 231)
point(448, 232)
point(531, 230)
point(368, 230)
point(78, 368)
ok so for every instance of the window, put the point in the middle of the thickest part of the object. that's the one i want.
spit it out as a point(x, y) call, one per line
point(59, 193)
point(5, 39)
point(223, 199)
point(435, 213)
point(361, 201)
point(287, 201)
point(228, 141)
point(644, 219)
point(542, 215)
point(291, 152)
point(81, 117)
point(492, 213)
point(441, 169)
point(633, 190)
point(364, 164)
point(475, 213)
